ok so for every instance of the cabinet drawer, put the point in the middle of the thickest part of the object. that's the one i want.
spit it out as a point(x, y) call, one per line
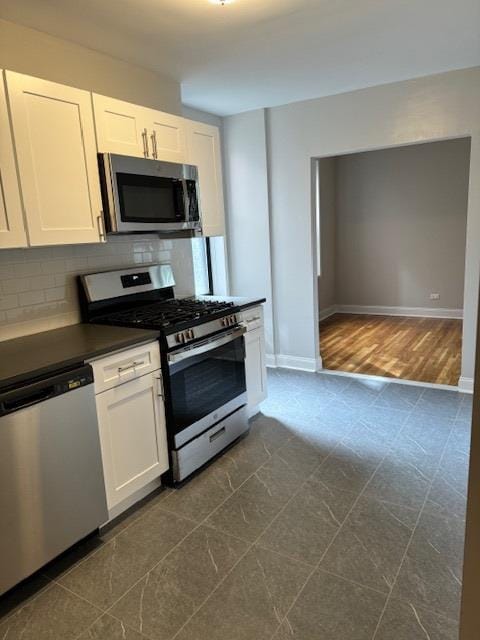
point(126, 365)
point(252, 318)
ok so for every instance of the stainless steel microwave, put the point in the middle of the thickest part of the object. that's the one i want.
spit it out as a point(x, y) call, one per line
point(141, 195)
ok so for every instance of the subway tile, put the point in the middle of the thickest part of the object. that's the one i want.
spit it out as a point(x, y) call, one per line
point(27, 269)
point(42, 282)
point(76, 263)
point(35, 254)
point(12, 255)
point(57, 293)
point(8, 302)
point(7, 271)
point(16, 285)
point(38, 287)
point(53, 266)
point(29, 298)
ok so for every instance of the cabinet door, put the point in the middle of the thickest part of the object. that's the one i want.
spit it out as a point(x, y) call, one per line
point(167, 138)
point(12, 229)
point(120, 126)
point(54, 139)
point(203, 143)
point(132, 435)
point(255, 369)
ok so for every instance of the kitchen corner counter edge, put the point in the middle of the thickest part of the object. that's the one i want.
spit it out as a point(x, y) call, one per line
point(240, 302)
point(39, 354)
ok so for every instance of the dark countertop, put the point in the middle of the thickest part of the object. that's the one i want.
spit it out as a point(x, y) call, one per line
point(41, 353)
point(242, 303)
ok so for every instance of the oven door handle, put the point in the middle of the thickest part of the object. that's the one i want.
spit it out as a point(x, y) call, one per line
point(205, 346)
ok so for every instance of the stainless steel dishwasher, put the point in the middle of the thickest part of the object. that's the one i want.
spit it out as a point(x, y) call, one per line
point(52, 491)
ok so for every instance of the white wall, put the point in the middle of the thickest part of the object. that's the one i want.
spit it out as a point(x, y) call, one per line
point(401, 225)
point(202, 116)
point(431, 108)
point(327, 293)
point(247, 202)
point(35, 53)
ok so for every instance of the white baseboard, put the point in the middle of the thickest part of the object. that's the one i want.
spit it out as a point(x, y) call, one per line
point(302, 364)
point(386, 379)
point(271, 360)
point(420, 312)
point(465, 384)
point(326, 313)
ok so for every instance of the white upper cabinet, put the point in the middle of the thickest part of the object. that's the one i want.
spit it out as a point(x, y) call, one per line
point(12, 229)
point(203, 146)
point(55, 143)
point(129, 129)
point(167, 137)
point(120, 127)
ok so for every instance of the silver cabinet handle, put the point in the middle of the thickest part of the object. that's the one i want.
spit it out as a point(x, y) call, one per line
point(153, 138)
point(146, 152)
point(132, 365)
point(101, 229)
point(159, 386)
point(127, 368)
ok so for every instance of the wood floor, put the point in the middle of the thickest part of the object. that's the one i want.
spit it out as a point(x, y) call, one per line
point(423, 349)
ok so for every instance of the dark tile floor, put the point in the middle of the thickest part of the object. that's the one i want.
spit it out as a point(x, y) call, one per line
point(341, 515)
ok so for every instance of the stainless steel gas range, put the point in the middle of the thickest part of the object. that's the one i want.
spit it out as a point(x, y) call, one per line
point(203, 357)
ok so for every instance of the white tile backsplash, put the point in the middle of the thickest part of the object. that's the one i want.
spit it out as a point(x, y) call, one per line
point(38, 288)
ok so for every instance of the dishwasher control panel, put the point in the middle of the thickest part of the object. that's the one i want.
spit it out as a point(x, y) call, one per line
point(39, 390)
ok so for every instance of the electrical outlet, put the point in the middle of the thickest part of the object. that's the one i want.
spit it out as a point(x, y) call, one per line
point(434, 296)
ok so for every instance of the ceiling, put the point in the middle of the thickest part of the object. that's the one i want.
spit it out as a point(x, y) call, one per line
point(257, 53)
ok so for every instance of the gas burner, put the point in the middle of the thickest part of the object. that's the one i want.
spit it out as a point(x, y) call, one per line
point(170, 314)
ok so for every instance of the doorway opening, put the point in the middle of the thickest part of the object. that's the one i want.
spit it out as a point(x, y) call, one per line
point(391, 238)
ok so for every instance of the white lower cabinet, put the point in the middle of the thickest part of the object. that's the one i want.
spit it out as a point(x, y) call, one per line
point(255, 367)
point(131, 419)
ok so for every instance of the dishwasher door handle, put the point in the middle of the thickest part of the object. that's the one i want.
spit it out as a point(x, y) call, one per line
point(37, 391)
point(29, 400)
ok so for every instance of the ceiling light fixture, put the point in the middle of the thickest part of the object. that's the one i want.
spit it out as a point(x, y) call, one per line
point(222, 2)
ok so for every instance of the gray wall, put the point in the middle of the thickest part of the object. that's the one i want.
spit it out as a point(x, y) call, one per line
point(401, 217)
point(327, 294)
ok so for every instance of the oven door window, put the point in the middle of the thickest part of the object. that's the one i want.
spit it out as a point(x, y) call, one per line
point(150, 198)
point(202, 384)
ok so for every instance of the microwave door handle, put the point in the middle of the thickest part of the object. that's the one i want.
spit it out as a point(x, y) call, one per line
point(186, 200)
point(206, 346)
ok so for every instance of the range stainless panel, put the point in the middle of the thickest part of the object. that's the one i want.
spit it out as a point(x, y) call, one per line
point(52, 490)
point(200, 450)
point(112, 284)
point(193, 430)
